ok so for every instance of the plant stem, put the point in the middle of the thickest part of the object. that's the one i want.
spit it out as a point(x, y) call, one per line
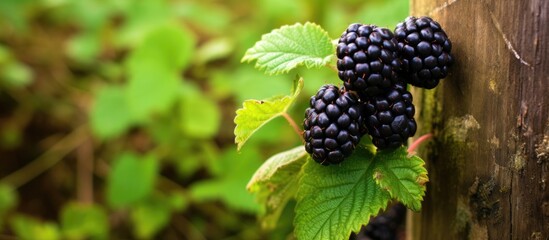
point(48, 159)
point(293, 124)
point(84, 172)
point(418, 141)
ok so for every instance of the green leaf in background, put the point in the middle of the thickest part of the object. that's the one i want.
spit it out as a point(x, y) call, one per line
point(230, 185)
point(200, 115)
point(213, 50)
point(84, 47)
point(8, 200)
point(168, 46)
point(276, 181)
point(288, 47)
point(109, 115)
point(131, 179)
point(152, 91)
point(256, 113)
point(27, 228)
point(81, 221)
point(153, 214)
point(403, 176)
point(140, 18)
point(333, 201)
point(154, 68)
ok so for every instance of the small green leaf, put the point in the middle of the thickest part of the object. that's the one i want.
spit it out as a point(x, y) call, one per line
point(288, 47)
point(255, 113)
point(27, 228)
point(200, 115)
point(151, 215)
point(80, 221)
point(8, 200)
point(109, 115)
point(84, 47)
point(230, 185)
point(131, 179)
point(275, 183)
point(333, 201)
point(169, 46)
point(402, 176)
point(153, 90)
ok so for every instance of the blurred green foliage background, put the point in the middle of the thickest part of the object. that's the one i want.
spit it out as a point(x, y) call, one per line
point(116, 116)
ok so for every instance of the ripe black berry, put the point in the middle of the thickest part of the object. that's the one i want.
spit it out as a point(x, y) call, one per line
point(332, 125)
point(390, 117)
point(425, 50)
point(367, 59)
point(386, 225)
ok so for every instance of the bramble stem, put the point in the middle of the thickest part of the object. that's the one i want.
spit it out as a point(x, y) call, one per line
point(48, 159)
point(418, 141)
point(293, 124)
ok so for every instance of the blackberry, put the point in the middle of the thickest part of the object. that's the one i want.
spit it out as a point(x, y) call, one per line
point(390, 117)
point(367, 59)
point(332, 125)
point(425, 51)
point(386, 225)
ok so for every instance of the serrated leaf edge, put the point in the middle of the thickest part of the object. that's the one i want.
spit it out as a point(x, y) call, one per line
point(296, 88)
point(250, 56)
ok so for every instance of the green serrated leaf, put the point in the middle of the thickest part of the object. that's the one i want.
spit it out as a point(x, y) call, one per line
point(275, 182)
point(334, 201)
point(403, 176)
point(256, 113)
point(288, 47)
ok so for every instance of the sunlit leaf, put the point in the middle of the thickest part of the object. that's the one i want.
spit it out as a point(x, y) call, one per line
point(256, 113)
point(276, 181)
point(333, 201)
point(168, 46)
point(288, 47)
point(81, 221)
point(109, 115)
point(230, 185)
point(153, 214)
point(403, 176)
point(200, 115)
point(8, 200)
point(84, 47)
point(27, 228)
point(152, 91)
point(336, 200)
point(131, 179)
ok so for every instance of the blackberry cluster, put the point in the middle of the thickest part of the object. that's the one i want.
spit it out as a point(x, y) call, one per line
point(333, 125)
point(375, 66)
point(367, 59)
point(425, 51)
point(390, 117)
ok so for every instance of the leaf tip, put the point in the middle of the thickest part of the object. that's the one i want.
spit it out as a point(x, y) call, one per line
point(422, 179)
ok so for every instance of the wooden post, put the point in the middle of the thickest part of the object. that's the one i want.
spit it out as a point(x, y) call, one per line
point(489, 160)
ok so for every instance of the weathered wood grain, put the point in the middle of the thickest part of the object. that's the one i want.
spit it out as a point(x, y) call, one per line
point(489, 160)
